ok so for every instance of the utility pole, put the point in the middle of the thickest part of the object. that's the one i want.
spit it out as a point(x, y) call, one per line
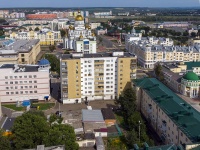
point(139, 130)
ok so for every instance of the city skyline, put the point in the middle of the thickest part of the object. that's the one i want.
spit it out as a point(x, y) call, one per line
point(102, 3)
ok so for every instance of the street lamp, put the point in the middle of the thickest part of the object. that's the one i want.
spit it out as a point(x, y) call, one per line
point(139, 130)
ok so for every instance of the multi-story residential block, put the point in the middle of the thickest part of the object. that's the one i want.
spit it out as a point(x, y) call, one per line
point(19, 51)
point(4, 13)
point(24, 82)
point(95, 76)
point(46, 36)
point(173, 119)
point(80, 37)
point(172, 24)
point(149, 51)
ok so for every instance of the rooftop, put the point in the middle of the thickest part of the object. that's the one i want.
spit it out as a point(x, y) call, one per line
point(92, 116)
point(191, 76)
point(190, 65)
point(20, 68)
point(182, 113)
point(107, 113)
point(96, 55)
point(18, 45)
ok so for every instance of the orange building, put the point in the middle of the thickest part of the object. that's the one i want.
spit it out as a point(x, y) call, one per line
point(41, 16)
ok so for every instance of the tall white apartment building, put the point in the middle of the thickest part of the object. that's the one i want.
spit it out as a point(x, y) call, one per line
point(24, 82)
point(100, 76)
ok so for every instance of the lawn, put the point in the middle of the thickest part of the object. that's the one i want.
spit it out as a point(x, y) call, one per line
point(13, 106)
point(42, 106)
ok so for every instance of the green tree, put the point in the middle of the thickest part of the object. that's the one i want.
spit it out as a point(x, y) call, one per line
point(54, 62)
point(4, 142)
point(37, 29)
point(32, 129)
point(52, 48)
point(1, 32)
point(63, 33)
point(132, 138)
point(127, 100)
point(55, 118)
point(29, 130)
point(158, 72)
point(61, 134)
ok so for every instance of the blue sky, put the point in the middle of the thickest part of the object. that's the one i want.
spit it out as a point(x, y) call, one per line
point(99, 3)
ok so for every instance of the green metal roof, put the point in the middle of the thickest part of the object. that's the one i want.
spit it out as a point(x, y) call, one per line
point(191, 76)
point(182, 114)
point(196, 148)
point(190, 65)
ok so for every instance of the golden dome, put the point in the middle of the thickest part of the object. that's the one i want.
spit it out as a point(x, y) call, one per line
point(79, 18)
point(71, 27)
point(89, 27)
point(81, 36)
point(93, 34)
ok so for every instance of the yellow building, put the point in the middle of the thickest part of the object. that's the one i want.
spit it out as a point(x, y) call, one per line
point(86, 77)
point(46, 36)
point(19, 51)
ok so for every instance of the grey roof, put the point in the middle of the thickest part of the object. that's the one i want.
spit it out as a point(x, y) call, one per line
point(18, 45)
point(8, 123)
point(92, 116)
point(96, 55)
point(27, 68)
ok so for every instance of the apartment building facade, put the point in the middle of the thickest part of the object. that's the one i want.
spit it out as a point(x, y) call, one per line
point(148, 53)
point(24, 82)
point(171, 117)
point(86, 77)
point(46, 36)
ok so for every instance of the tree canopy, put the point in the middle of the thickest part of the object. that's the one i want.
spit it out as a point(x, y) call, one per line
point(54, 62)
point(4, 142)
point(32, 129)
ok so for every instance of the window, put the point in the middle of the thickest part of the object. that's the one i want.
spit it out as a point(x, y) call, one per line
point(15, 77)
point(21, 87)
point(16, 82)
point(31, 91)
point(12, 92)
point(26, 92)
point(6, 77)
point(7, 88)
point(11, 87)
point(16, 87)
point(35, 91)
point(7, 93)
point(21, 82)
point(26, 87)
point(35, 86)
point(20, 76)
point(35, 81)
point(30, 76)
point(21, 92)
point(23, 60)
point(25, 76)
point(30, 86)
point(25, 81)
point(30, 81)
point(11, 82)
point(35, 76)
point(22, 55)
point(6, 82)
point(16, 92)
point(11, 77)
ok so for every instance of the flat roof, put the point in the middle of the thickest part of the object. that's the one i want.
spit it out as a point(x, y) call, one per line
point(107, 113)
point(96, 55)
point(20, 68)
point(92, 116)
point(179, 111)
point(18, 45)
